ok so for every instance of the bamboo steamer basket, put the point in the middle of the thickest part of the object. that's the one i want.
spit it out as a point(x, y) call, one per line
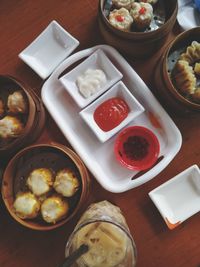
point(33, 120)
point(138, 44)
point(163, 82)
point(54, 156)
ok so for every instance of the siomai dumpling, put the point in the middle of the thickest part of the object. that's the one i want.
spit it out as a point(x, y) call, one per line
point(121, 19)
point(54, 208)
point(122, 3)
point(152, 2)
point(16, 103)
point(10, 127)
point(142, 14)
point(183, 75)
point(26, 206)
point(40, 181)
point(66, 183)
point(1, 107)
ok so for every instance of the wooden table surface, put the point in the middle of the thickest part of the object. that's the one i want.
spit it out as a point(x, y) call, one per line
point(20, 22)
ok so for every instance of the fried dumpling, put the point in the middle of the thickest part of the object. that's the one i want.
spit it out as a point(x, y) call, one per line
point(10, 127)
point(40, 181)
point(16, 103)
point(1, 107)
point(197, 68)
point(26, 206)
point(66, 183)
point(183, 75)
point(192, 53)
point(196, 95)
point(54, 209)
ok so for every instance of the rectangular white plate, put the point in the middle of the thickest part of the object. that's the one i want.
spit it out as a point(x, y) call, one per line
point(98, 157)
point(179, 198)
point(49, 49)
point(97, 60)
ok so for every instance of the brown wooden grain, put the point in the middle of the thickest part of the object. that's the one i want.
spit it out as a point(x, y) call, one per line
point(20, 22)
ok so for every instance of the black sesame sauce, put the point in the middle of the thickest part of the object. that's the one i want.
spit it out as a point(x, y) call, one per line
point(136, 147)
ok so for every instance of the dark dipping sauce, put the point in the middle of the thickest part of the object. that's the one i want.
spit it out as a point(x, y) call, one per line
point(111, 113)
point(136, 147)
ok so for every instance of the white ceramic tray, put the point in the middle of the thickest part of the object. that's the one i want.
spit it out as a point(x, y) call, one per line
point(50, 48)
point(179, 198)
point(98, 157)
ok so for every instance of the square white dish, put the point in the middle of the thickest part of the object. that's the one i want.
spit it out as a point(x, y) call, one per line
point(49, 49)
point(99, 157)
point(98, 60)
point(118, 90)
point(179, 198)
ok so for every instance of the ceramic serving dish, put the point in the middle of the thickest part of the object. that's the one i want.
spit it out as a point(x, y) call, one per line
point(118, 90)
point(179, 198)
point(49, 49)
point(137, 148)
point(98, 60)
point(99, 157)
point(51, 156)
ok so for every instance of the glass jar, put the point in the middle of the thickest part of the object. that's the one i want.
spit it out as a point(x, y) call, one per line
point(104, 229)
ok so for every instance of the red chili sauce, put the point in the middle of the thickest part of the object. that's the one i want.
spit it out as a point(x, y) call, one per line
point(142, 11)
point(136, 147)
point(111, 113)
point(119, 18)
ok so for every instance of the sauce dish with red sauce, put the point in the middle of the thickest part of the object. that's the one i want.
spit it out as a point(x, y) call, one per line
point(137, 148)
point(111, 112)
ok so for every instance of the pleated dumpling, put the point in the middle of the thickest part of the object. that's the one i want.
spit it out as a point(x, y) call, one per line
point(10, 127)
point(66, 183)
point(40, 181)
point(192, 53)
point(184, 78)
point(2, 109)
point(54, 209)
point(197, 69)
point(17, 103)
point(152, 2)
point(122, 3)
point(26, 206)
point(196, 95)
point(142, 14)
point(121, 19)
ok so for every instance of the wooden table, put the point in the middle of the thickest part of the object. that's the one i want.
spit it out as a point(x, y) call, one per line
point(20, 22)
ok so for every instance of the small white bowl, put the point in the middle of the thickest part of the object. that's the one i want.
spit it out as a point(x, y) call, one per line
point(179, 198)
point(98, 60)
point(49, 49)
point(118, 90)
